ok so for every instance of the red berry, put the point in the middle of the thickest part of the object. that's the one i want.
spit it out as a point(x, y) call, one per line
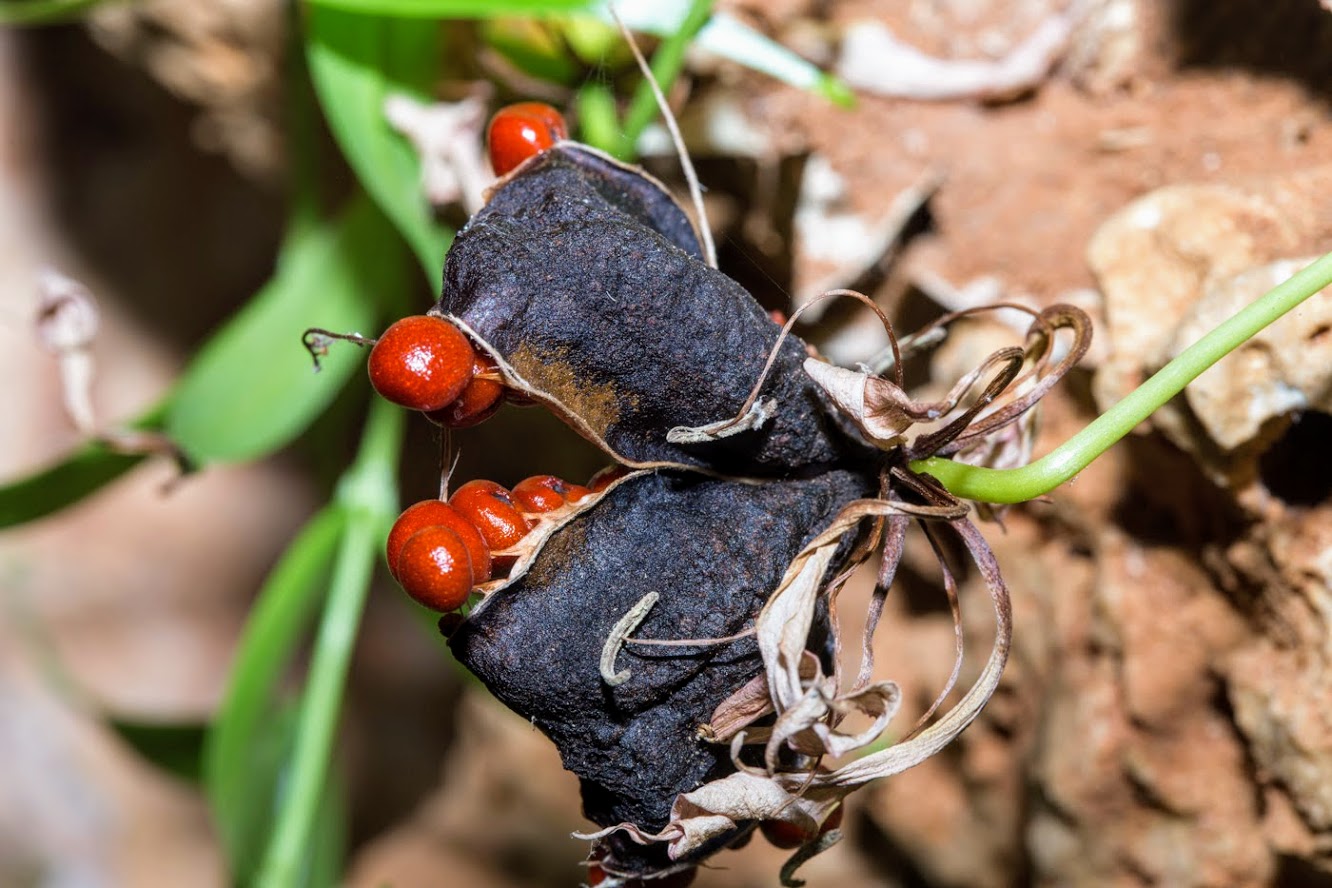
point(546, 493)
point(606, 477)
point(488, 506)
point(520, 131)
point(421, 363)
point(437, 513)
point(435, 569)
point(478, 402)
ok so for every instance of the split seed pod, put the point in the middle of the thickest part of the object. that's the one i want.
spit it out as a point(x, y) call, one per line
point(583, 280)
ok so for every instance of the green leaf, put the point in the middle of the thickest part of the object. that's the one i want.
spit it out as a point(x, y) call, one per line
point(367, 494)
point(253, 388)
point(724, 34)
point(43, 12)
point(356, 63)
point(444, 9)
point(328, 839)
point(667, 63)
point(176, 748)
point(244, 751)
point(68, 481)
point(64, 483)
point(597, 121)
point(532, 47)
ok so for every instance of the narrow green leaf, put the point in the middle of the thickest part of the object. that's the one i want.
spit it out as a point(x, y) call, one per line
point(667, 63)
point(328, 838)
point(368, 496)
point(176, 748)
point(43, 12)
point(253, 388)
point(530, 46)
point(443, 9)
point(599, 126)
point(68, 481)
point(75, 476)
point(244, 752)
point(356, 63)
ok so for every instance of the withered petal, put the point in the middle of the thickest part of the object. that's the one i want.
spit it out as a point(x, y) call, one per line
point(584, 277)
point(713, 550)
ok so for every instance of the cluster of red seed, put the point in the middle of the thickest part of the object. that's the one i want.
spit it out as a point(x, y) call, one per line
point(425, 363)
point(439, 551)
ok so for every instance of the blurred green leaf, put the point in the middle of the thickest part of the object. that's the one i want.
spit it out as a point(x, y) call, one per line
point(68, 481)
point(724, 34)
point(356, 63)
point(253, 388)
point(64, 483)
point(245, 748)
point(595, 41)
point(42, 12)
point(666, 65)
point(532, 47)
point(328, 839)
point(598, 124)
point(367, 494)
point(177, 748)
point(444, 9)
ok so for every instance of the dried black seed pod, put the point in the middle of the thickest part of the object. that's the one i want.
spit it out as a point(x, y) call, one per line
point(584, 278)
point(691, 539)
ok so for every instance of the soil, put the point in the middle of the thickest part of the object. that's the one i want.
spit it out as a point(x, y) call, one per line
point(1163, 719)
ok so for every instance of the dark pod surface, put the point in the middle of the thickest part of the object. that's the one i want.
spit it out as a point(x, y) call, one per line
point(714, 551)
point(585, 277)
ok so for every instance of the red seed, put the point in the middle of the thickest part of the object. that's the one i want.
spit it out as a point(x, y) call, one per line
point(606, 477)
point(437, 513)
point(477, 403)
point(435, 568)
point(546, 493)
point(421, 363)
point(488, 506)
point(520, 131)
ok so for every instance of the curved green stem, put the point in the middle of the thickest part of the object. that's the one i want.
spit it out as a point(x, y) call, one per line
point(1075, 454)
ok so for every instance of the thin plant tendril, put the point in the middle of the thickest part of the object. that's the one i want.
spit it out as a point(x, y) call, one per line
point(1075, 454)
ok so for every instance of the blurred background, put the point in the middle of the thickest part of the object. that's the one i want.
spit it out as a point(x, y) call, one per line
point(202, 169)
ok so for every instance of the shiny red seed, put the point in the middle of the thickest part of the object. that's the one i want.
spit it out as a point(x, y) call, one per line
point(544, 493)
point(421, 363)
point(437, 513)
point(606, 477)
point(435, 568)
point(488, 506)
point(478, 402)
point(520, 131)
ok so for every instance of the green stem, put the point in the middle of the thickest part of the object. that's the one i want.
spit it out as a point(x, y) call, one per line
point(367, 494)
point(667, 62)
point(1075, 454)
